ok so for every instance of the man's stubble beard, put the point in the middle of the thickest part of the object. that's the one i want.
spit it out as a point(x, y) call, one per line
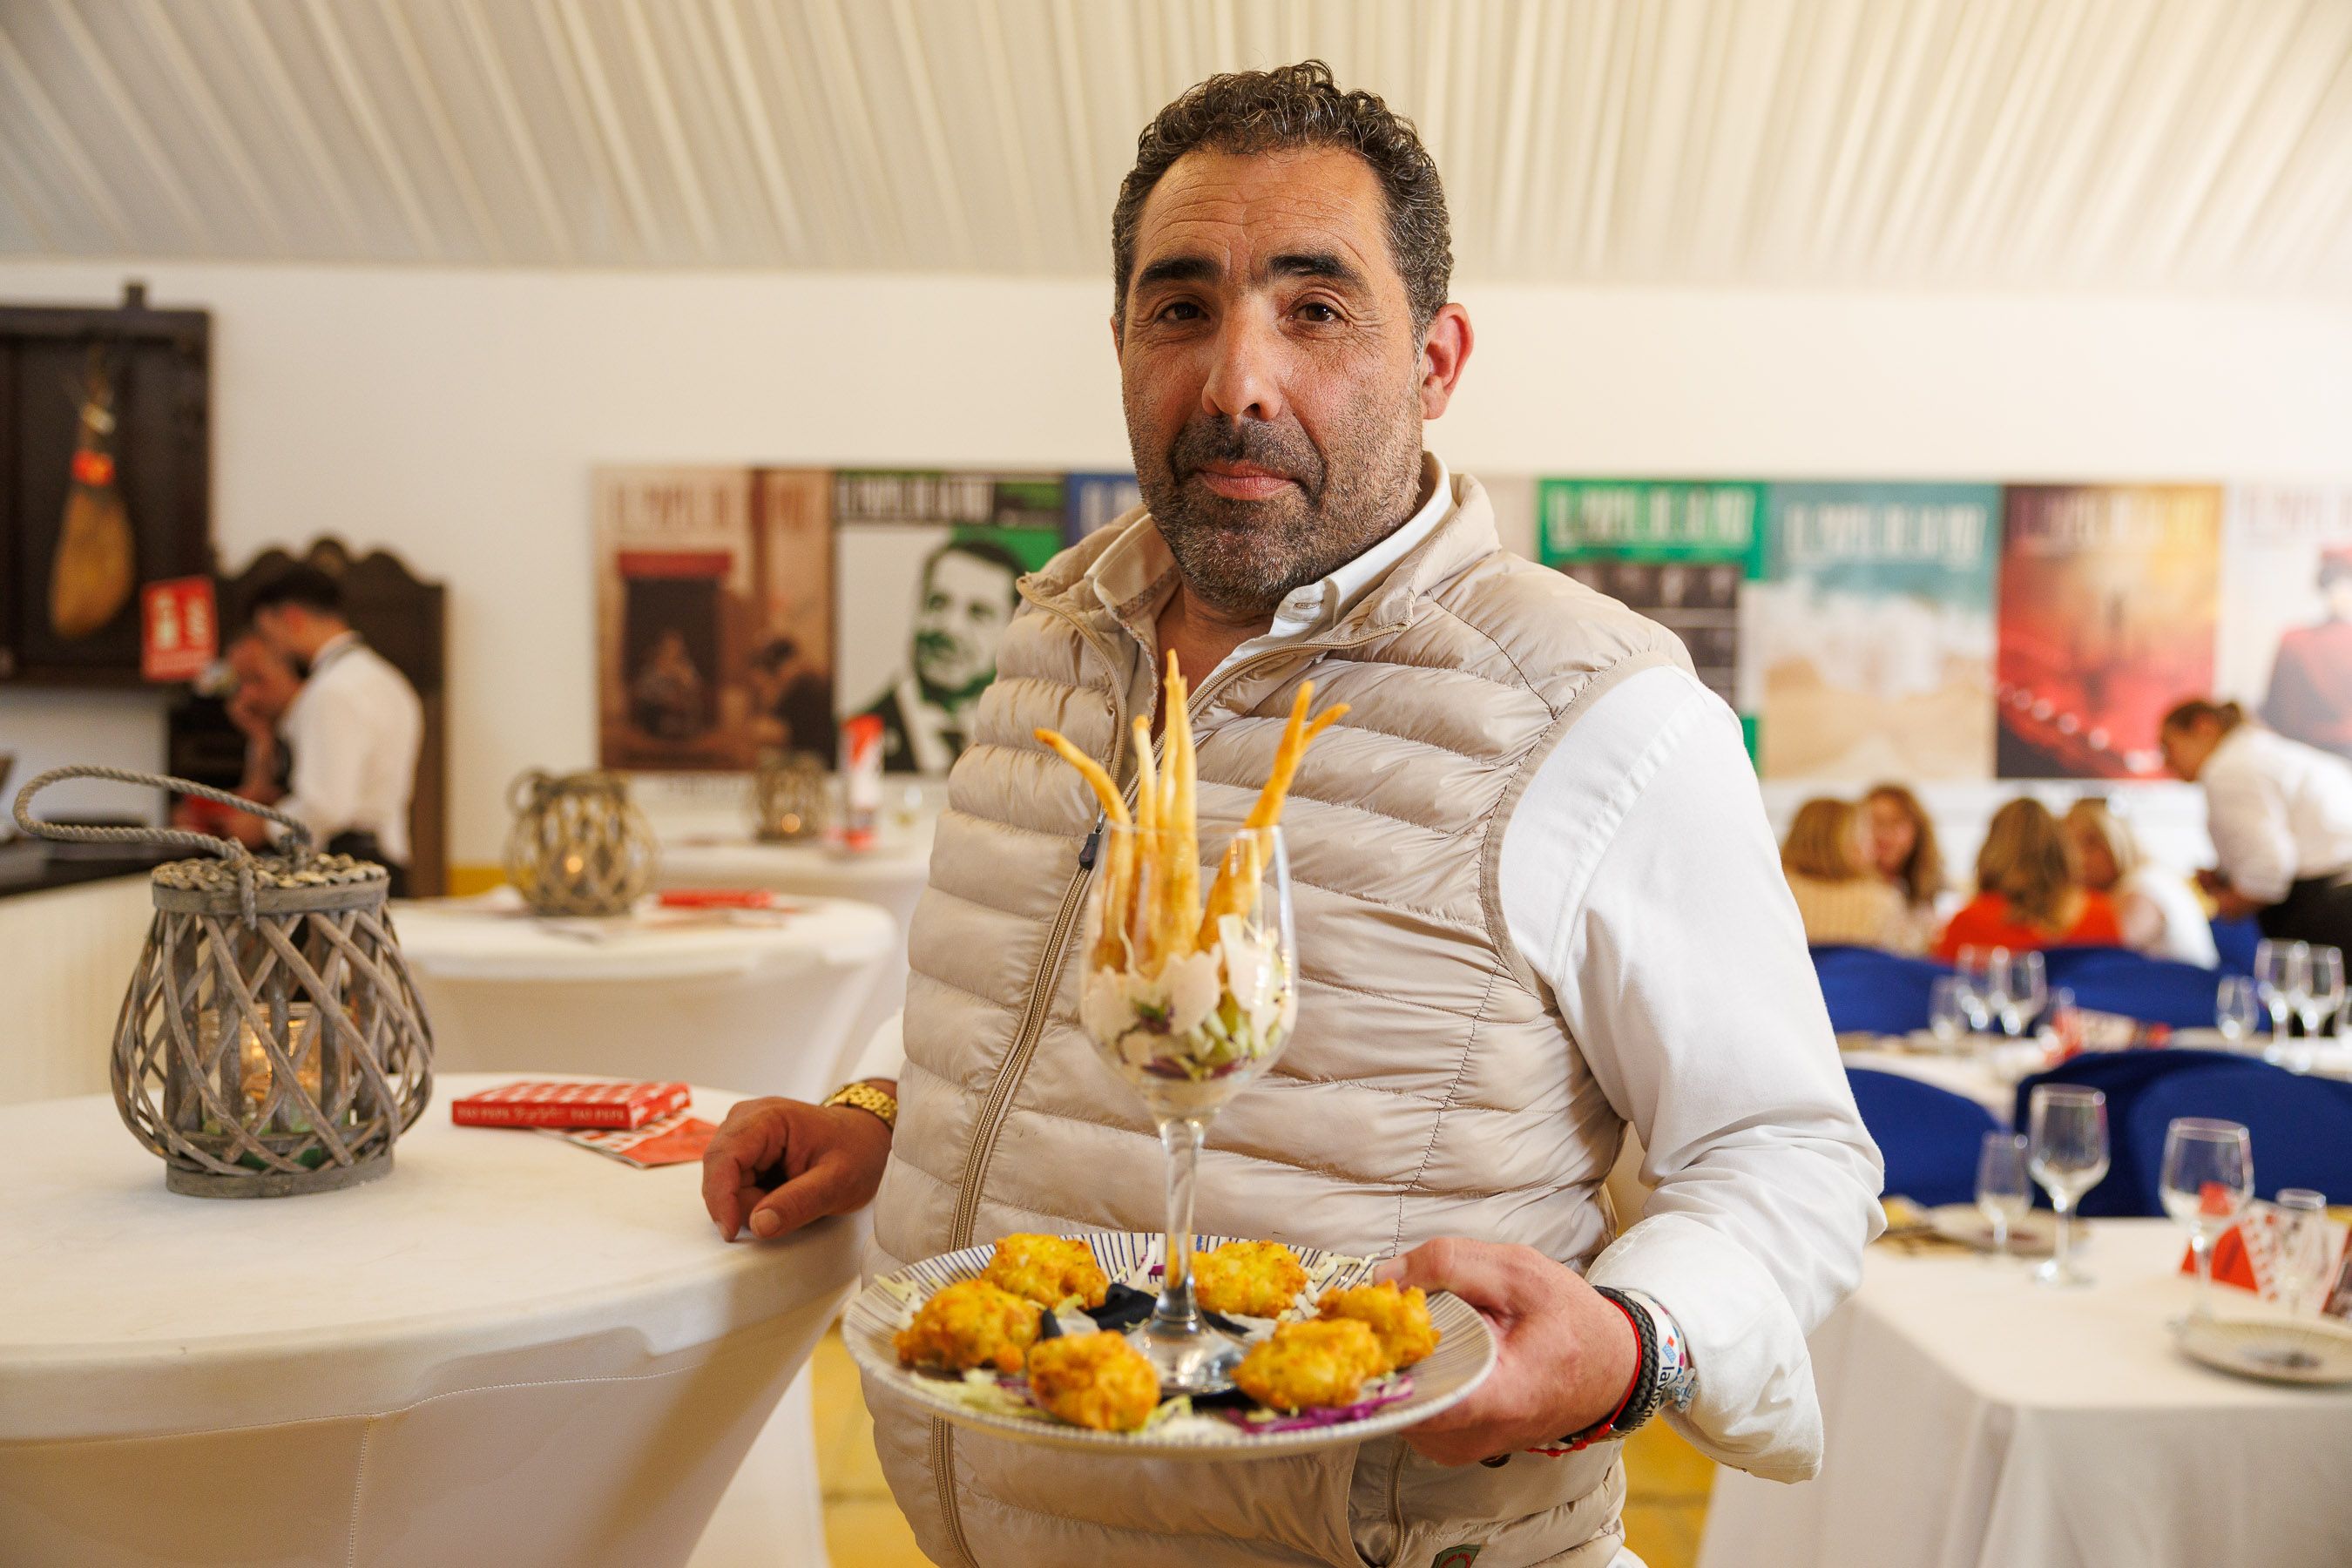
point(1242, 557)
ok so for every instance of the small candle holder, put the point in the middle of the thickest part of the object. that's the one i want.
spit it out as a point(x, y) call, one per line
point(792, 797)
point(580, 845)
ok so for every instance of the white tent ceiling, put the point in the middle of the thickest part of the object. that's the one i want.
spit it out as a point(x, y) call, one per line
point(2194, 144)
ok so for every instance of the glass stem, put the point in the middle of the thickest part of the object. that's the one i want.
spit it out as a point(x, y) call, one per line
point(2062, 1247)
point(2000, 1236)
point(2201, 1248)
point(1180, 1138)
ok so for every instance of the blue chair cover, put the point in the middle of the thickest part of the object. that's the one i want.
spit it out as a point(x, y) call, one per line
point(2117, 980)
point(2302, 1126)
point(2235, 940)
point(2124, 1077)
point(1929, 1136)
point(1880, 993)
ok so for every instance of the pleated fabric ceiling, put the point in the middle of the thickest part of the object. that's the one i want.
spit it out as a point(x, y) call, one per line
point(2177, 144)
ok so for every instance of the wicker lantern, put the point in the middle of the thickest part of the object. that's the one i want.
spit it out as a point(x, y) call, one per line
point(272, 1043)
point(579, 845)
point(792, 797)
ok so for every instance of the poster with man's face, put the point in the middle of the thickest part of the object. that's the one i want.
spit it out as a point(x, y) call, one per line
point(930, 562)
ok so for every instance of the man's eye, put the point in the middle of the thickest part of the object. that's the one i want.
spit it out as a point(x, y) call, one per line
point(1179, 310)
point(1316, 311)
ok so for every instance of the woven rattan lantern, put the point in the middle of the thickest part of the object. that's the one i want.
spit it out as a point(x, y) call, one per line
point(792, 797)
point(580, 846)
point(272, 1042)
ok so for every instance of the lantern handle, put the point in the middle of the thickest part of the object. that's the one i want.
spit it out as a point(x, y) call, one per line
point(204, 843)
point(529, 789)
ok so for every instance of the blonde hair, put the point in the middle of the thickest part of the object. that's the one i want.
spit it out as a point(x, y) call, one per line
point(1824, 842)
point(2028, 859)
point(1922, 873)
point(2093, 818)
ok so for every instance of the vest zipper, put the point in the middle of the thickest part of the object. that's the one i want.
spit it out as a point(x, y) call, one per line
point(1041, 995)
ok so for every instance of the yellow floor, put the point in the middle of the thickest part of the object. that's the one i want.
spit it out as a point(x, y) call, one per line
point(1664, 1505)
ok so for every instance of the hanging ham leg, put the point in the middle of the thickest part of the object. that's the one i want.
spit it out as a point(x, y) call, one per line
point(93, 573)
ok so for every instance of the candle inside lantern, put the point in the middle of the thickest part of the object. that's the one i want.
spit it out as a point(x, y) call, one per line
point(258, 1077)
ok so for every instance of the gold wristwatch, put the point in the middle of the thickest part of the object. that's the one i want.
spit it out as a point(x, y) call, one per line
point(865, 1097)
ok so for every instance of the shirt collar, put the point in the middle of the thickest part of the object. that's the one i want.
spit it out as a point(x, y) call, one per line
point(1137, 569)
point(334, 649)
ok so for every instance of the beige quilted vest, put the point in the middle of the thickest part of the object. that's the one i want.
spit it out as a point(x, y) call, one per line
point(1426, 1091)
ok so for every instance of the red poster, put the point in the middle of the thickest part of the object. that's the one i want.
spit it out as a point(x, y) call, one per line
point(2107, 604)
point(179, 632)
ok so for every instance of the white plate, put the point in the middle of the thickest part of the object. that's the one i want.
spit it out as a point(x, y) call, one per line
point(1463, 1356)
point(2308, 1351)
point(2032, 1236)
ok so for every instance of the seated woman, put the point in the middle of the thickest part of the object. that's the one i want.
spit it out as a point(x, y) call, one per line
point(2157, 909)
point(1842, 902)
point(2029, 892)
point(1903, 852)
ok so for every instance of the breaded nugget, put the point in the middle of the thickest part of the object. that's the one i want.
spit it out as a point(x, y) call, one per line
point(1094, 1380)
point(969, 1323)
point(1398, 1319)
point(1252, 1279)
point(1324, 1361)
point(1048, 1270)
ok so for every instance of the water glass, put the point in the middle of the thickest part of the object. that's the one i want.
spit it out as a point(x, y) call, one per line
point(2303, 1236)
point(2276, 978)
point(1984, 983)
point(2208, 1180)
point(2066, 1151)
point(2004, 1194)
point(2237, 1010)
point(2025, 993)
point(1949, 1007)
point(2323, 991)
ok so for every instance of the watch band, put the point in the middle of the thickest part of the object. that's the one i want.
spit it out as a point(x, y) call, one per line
point(867, 1098)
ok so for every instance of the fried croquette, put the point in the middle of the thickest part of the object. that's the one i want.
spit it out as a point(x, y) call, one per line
point(1049, 1270)
point(1398, 1319)
point(969, 1324)
point(1323, 1360)
point(1248, 1279)
point(1094, 1380)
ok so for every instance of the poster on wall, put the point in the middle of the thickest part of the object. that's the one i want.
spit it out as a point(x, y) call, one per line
point(2108, 600)
point(1870, 639)
point(930, 561)
point(1096, 500)
point(713, 615)
point(1680, 552)
point(2285, 646)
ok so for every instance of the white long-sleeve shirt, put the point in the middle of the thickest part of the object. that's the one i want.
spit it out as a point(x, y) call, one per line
point(355, 729)
point(2279, 812)
point(1642, 883)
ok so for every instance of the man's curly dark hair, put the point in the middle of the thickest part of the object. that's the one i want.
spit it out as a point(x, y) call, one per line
point(1295, 107)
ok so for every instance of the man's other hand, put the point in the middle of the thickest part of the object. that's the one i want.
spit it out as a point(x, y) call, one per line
point(778, 1165)
point(1564, 1355)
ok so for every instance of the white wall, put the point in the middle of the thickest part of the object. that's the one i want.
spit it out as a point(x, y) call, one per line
point(454, 415)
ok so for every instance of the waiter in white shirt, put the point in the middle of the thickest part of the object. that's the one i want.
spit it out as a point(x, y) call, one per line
point(354, 730)
point(2281, 816)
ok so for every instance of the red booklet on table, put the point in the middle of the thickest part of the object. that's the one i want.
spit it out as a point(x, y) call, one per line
point(531, 1103)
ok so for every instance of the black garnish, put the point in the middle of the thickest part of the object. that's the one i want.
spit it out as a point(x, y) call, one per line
point(1049, 1325)
point(1125, 1306)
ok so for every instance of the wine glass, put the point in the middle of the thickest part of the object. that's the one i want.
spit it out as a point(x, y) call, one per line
point(2025, 992)
point(1948, 1008)
point(2237, 1010)
point(1190, 1011)
point(2322, 990)
point(2274, 981)
point(1981, 983)
point(2004, 1195)
point(2067, 1152)
point(2208, 1180)
point(2302, 1245)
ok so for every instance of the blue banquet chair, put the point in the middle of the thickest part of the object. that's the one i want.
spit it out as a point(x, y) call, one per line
point(2124, 1077)
point(1872, 992)
point(2235, 942)
point(2302, 1126)
point(1930, 1136)
point(2117, 980)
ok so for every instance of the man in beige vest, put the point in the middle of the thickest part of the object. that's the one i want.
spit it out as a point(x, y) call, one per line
point(1538, 904)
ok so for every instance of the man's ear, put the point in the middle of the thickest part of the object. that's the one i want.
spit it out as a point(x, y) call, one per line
point(1117, 333)
point(1444, 352)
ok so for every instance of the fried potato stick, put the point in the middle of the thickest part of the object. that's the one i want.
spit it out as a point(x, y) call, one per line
point(1118, 863)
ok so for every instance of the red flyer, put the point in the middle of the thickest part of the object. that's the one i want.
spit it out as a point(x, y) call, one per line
point(618, 1105)
point(672, 1141)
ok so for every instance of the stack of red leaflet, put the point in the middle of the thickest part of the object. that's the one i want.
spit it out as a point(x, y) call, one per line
point(625, 1105)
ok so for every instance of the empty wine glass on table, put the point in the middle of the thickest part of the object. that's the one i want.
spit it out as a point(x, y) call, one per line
point(2276, 963)
point(2237, 1010)
point(2208, 1180)
point(1949, 1009)
point(2302, 1261)
point(2322, 995)
point(2004, 1194)
point(1984, 977)
point(2024, 991)
point(2066, 1151)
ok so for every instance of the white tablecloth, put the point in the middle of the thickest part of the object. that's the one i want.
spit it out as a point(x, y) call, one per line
point(749, 1001)
point(1977, 1420)
point(892, 876)
point(1988, 1071)
point(507, 1350)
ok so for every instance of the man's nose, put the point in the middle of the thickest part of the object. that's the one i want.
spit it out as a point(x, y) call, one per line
point(1244, 380)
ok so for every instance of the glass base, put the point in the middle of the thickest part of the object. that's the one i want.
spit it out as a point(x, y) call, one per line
point(1198, 1359)
point(2066, 1278)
